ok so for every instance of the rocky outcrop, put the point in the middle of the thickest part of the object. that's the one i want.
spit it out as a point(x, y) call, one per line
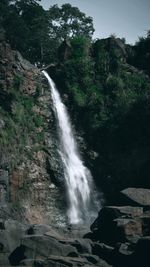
point(137, 196)
point(42, 245)
point(30, 167)
point(119, 237)
point(120, 234)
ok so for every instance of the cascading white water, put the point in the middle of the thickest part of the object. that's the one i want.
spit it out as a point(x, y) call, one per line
point(77, 176)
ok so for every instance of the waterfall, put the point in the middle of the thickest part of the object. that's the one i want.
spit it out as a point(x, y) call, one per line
point(77, 177)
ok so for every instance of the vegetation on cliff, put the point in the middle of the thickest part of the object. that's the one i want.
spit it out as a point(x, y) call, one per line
point(110, 101)
point(107, 83)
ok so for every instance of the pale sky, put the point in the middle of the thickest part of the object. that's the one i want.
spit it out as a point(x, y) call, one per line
point(125, 18)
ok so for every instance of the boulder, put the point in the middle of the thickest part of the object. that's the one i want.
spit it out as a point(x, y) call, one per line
point(82, 245)
point(109, 213)
point(141, 256)
point(94, 259)
point(38, 229)
point(55, 261)
point(4, 259)
point(115, 224)
point(33, 263)
point(146, 224)
point(10, 235)
point(43, 246)
point(125, 249)
point(17, 256)
point(25, 64)
point(137, 196)
point(126, 229)
point(103, 251)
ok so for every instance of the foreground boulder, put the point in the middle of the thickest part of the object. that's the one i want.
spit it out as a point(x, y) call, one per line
point(119, 237)
point(55, 261)
point(137, 196)
point(141, 256)
point(117, 224)
point(43, 246)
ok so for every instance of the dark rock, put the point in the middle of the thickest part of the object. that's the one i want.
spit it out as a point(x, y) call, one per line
point(69, 262)
point(141, 257)
point(96, 261)
point(4, 187)
point(89, 235)
point(34, 263)
point(25, 64)
point(82, 245)
point(54, 261)
point(2, 224)
point(44, 246)
point(126, 249)
point(92, 258)
point(73, 254)
point(137, 196)
point(39, 229)
point(128, 228)
point(17, 255)
point(120, 256)
point(11, 233)
point(4, 261)
point(115, 224)
point(59, 235)
point(103, 251)
point(110, 213)
point(77, 231)
point(146, 224)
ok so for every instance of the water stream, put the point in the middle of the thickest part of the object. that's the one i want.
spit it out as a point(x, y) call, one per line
point(77, 176)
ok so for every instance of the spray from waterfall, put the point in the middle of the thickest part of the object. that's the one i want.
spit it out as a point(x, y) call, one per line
point(77, 177)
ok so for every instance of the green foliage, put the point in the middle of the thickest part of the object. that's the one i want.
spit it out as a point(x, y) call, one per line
point(20, 127)
point(139, 55)
point(111, 103)
point(79, 97)
point(37, 33)
point(68, 21)
point(18, 80)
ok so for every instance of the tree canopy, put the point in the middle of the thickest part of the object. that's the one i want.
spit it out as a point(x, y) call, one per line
point(68, 21)
point(36, 32)
point(140, 54)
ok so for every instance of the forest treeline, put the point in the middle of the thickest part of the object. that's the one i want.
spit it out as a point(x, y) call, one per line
point(107, 82)
point(36, 32)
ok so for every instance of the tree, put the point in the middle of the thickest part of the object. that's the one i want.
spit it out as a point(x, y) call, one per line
point(139, 54)
point(4, 5)
point(37, 33)
point(69, 21)
point(26, 27)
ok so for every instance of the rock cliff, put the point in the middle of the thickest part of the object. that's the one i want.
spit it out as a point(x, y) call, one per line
point(30, 169)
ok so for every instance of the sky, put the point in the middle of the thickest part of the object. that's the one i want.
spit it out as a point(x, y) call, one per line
point(124, 18)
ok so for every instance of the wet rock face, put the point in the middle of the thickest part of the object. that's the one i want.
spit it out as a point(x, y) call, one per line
point(30, 189)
